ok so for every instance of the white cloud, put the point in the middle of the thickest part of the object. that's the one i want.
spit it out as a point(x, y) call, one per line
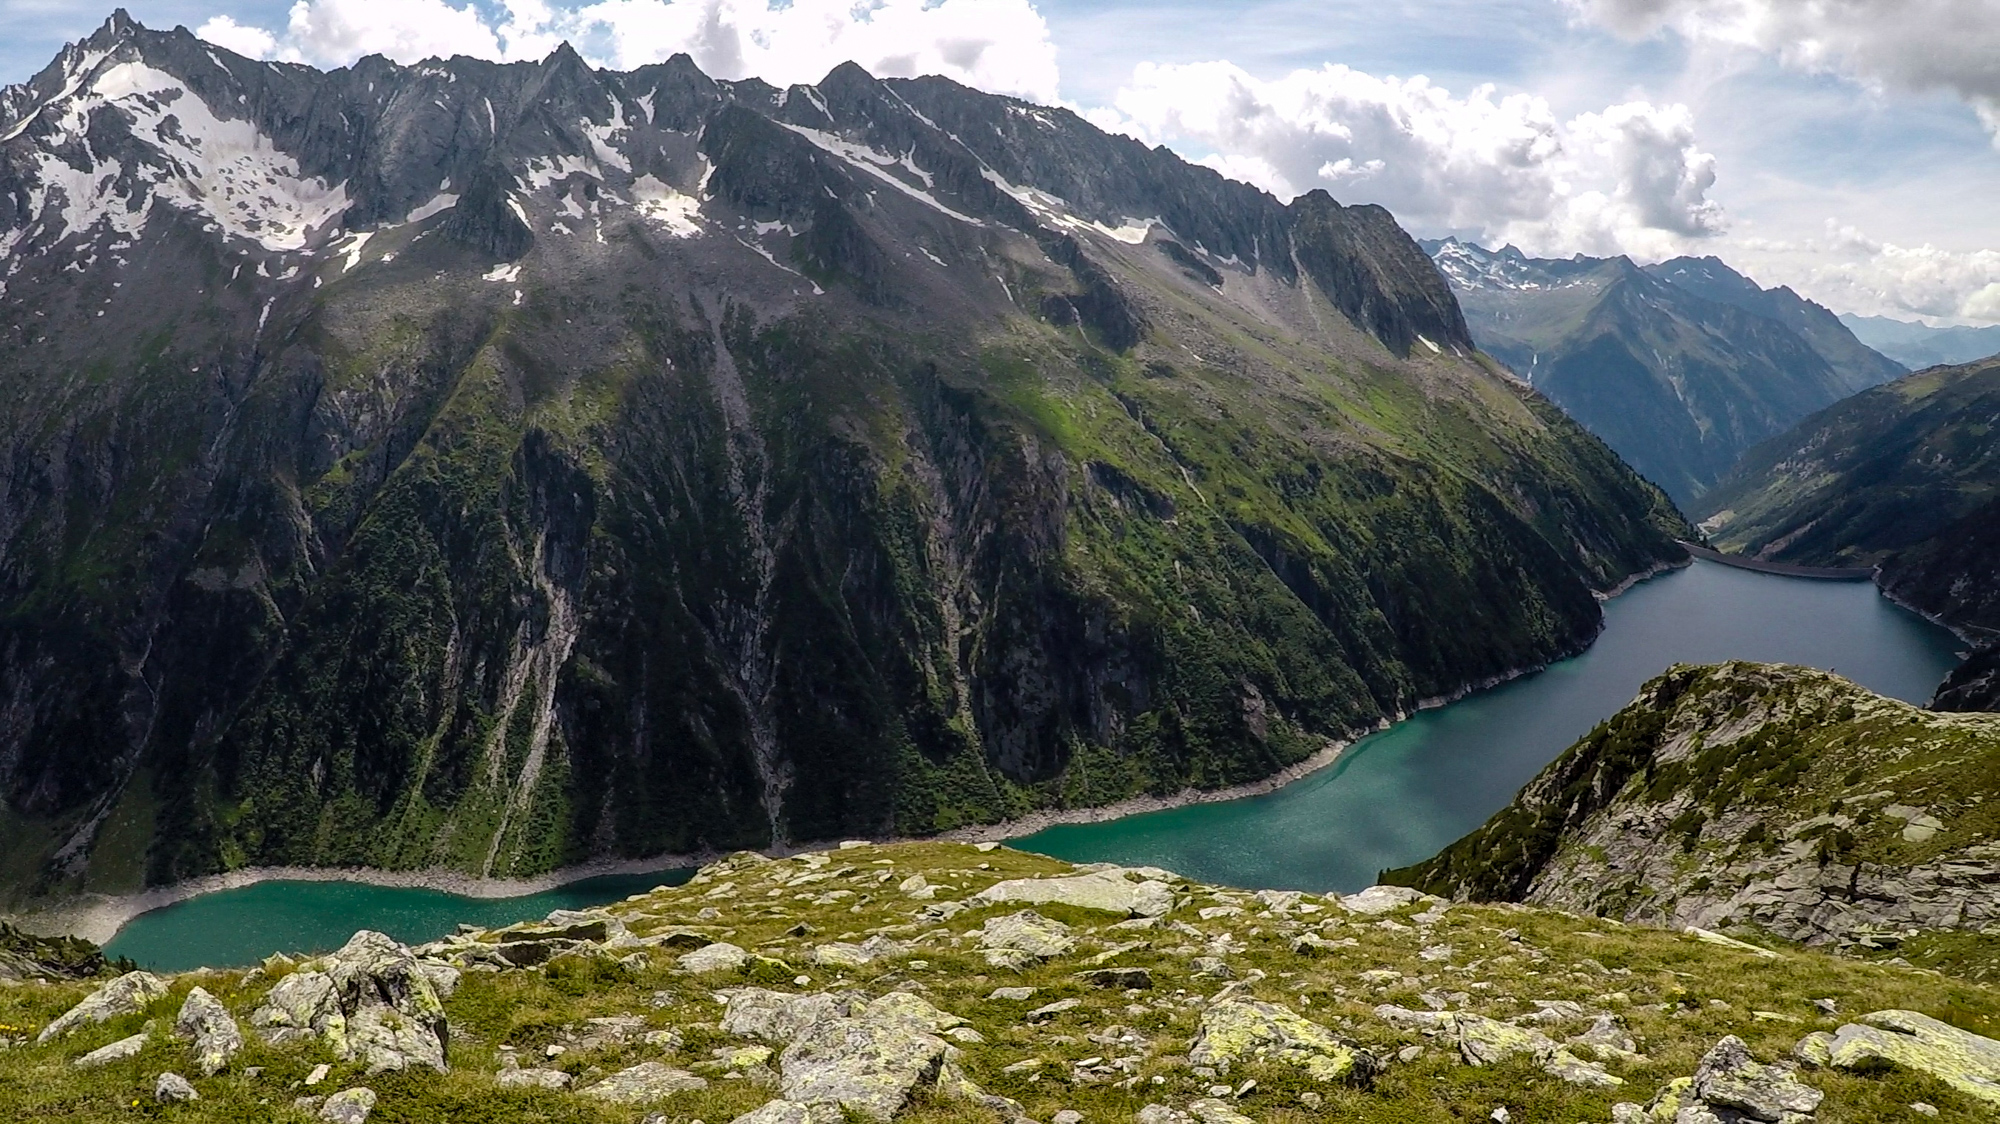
point(1627, 179)
point(1908, 44)
point(1846, 270)
point(998, 45)
point(252, 41)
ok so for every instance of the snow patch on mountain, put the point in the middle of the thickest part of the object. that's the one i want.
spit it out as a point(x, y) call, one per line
point(672, 209)
point(442, 201)
point(1131, 231)
point(877, 164)
point(222, 169)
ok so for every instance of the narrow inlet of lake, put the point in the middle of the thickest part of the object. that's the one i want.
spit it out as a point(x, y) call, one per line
point(1402, 795)
point(231, 928)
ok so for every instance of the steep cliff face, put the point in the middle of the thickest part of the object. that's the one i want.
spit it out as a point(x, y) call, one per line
point(1902, 478)
point(1753, 794)
point(1679, 366)
point(493, 466)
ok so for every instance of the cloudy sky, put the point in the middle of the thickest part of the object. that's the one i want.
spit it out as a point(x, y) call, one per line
point(1849, 148)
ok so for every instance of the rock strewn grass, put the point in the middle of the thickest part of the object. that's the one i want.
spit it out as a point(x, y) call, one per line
point(1440, 1011)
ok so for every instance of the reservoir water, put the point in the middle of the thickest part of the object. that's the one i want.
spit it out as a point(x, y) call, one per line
point(1394, 798)
point(1402, 795)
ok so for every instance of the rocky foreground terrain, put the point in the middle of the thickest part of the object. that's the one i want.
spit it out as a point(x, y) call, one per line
point(960, 982)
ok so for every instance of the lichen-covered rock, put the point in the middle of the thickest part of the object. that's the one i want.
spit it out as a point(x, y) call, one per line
point(116, 1052)
point(1729, 1078)
point(1027, 933)
point(720, 956)
point(782, 1111)
point(1113, 891)
point(1967, 1062)
point(777, 1016)
point(845, 955)
point(1245, 1029)
point(870, 1063)
point(1484, 1041)
point(349, 1106)
point(128, 993)
point(532, 1079)
point(1214, 1110)
point(172, 1088)
point(300, 1006)
point(211, 1033)
point(645, 1083)
point(1561, 1063)
point(371, 1000)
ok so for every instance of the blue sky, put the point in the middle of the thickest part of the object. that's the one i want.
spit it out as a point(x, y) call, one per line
point(1847, 159)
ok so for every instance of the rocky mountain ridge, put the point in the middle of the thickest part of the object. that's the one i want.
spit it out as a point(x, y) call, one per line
point(1783, 799)
point(1917, 345)
point(944, 982)
point(495, 466)
point(1680, 366)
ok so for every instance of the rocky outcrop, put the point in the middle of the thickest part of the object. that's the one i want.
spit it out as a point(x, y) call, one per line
point(371, 1001)
point(25, 956)
point(1239, 1030)
point(1744, 794)
point(1729, 1087)
point(1128, 892)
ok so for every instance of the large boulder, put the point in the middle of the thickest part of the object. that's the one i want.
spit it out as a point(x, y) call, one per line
point(718, 957)
point(1376, 900)
point(116, 1052)
point(1113, 891)
point(869, 1063)
point(210, 1031)
point(125, 995)
point(372, 1001)
point(1967, 1062)
point(1235, 1030)
point(1730, 1079)
point(777, 1016)
point(782, 1111)
point(349, 1106)
point(1020, 939)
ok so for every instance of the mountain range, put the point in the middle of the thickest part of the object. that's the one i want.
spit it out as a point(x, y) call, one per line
point(1917, 345)
point(1679, 366)
point(494, 466)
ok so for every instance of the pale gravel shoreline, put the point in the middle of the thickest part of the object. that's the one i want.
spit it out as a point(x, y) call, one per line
point(98, 918)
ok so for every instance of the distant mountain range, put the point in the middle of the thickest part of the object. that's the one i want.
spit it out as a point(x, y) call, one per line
point(492, 466)
point(1917, 346)
point(1679, 366)
point(1905, 477)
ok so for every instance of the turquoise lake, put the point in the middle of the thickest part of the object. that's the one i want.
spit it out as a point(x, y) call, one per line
point(1394, 798)
point(1402, 795)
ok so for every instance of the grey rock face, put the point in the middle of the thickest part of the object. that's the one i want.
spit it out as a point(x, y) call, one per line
point(1108, 890)
point(1966, 1061)
point(128, 993)
point(210, 1031)
point(1027, 933)
point(869, 1063)
point(718, 957)
point(777, 1016)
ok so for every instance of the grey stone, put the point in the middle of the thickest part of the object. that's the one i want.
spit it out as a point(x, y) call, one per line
point(349, 1106)
point(532, 1079)
point(1111, 891)
point(1235, 1030)
point(718, 957)
point(777, 1016)
point(127, 994)
point(210, 1031)
point(1729, 1078)
point(1123, 978)
point(172, 1088)
point(1967, 1062)
point(782, 1111)
point(1012, 994)
point(1051, 1010)
point(116, 1052)
point(370, 1001)
point(1377, 900)
point(1026, 932)
point(645, 1083)
point(869, 1063)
